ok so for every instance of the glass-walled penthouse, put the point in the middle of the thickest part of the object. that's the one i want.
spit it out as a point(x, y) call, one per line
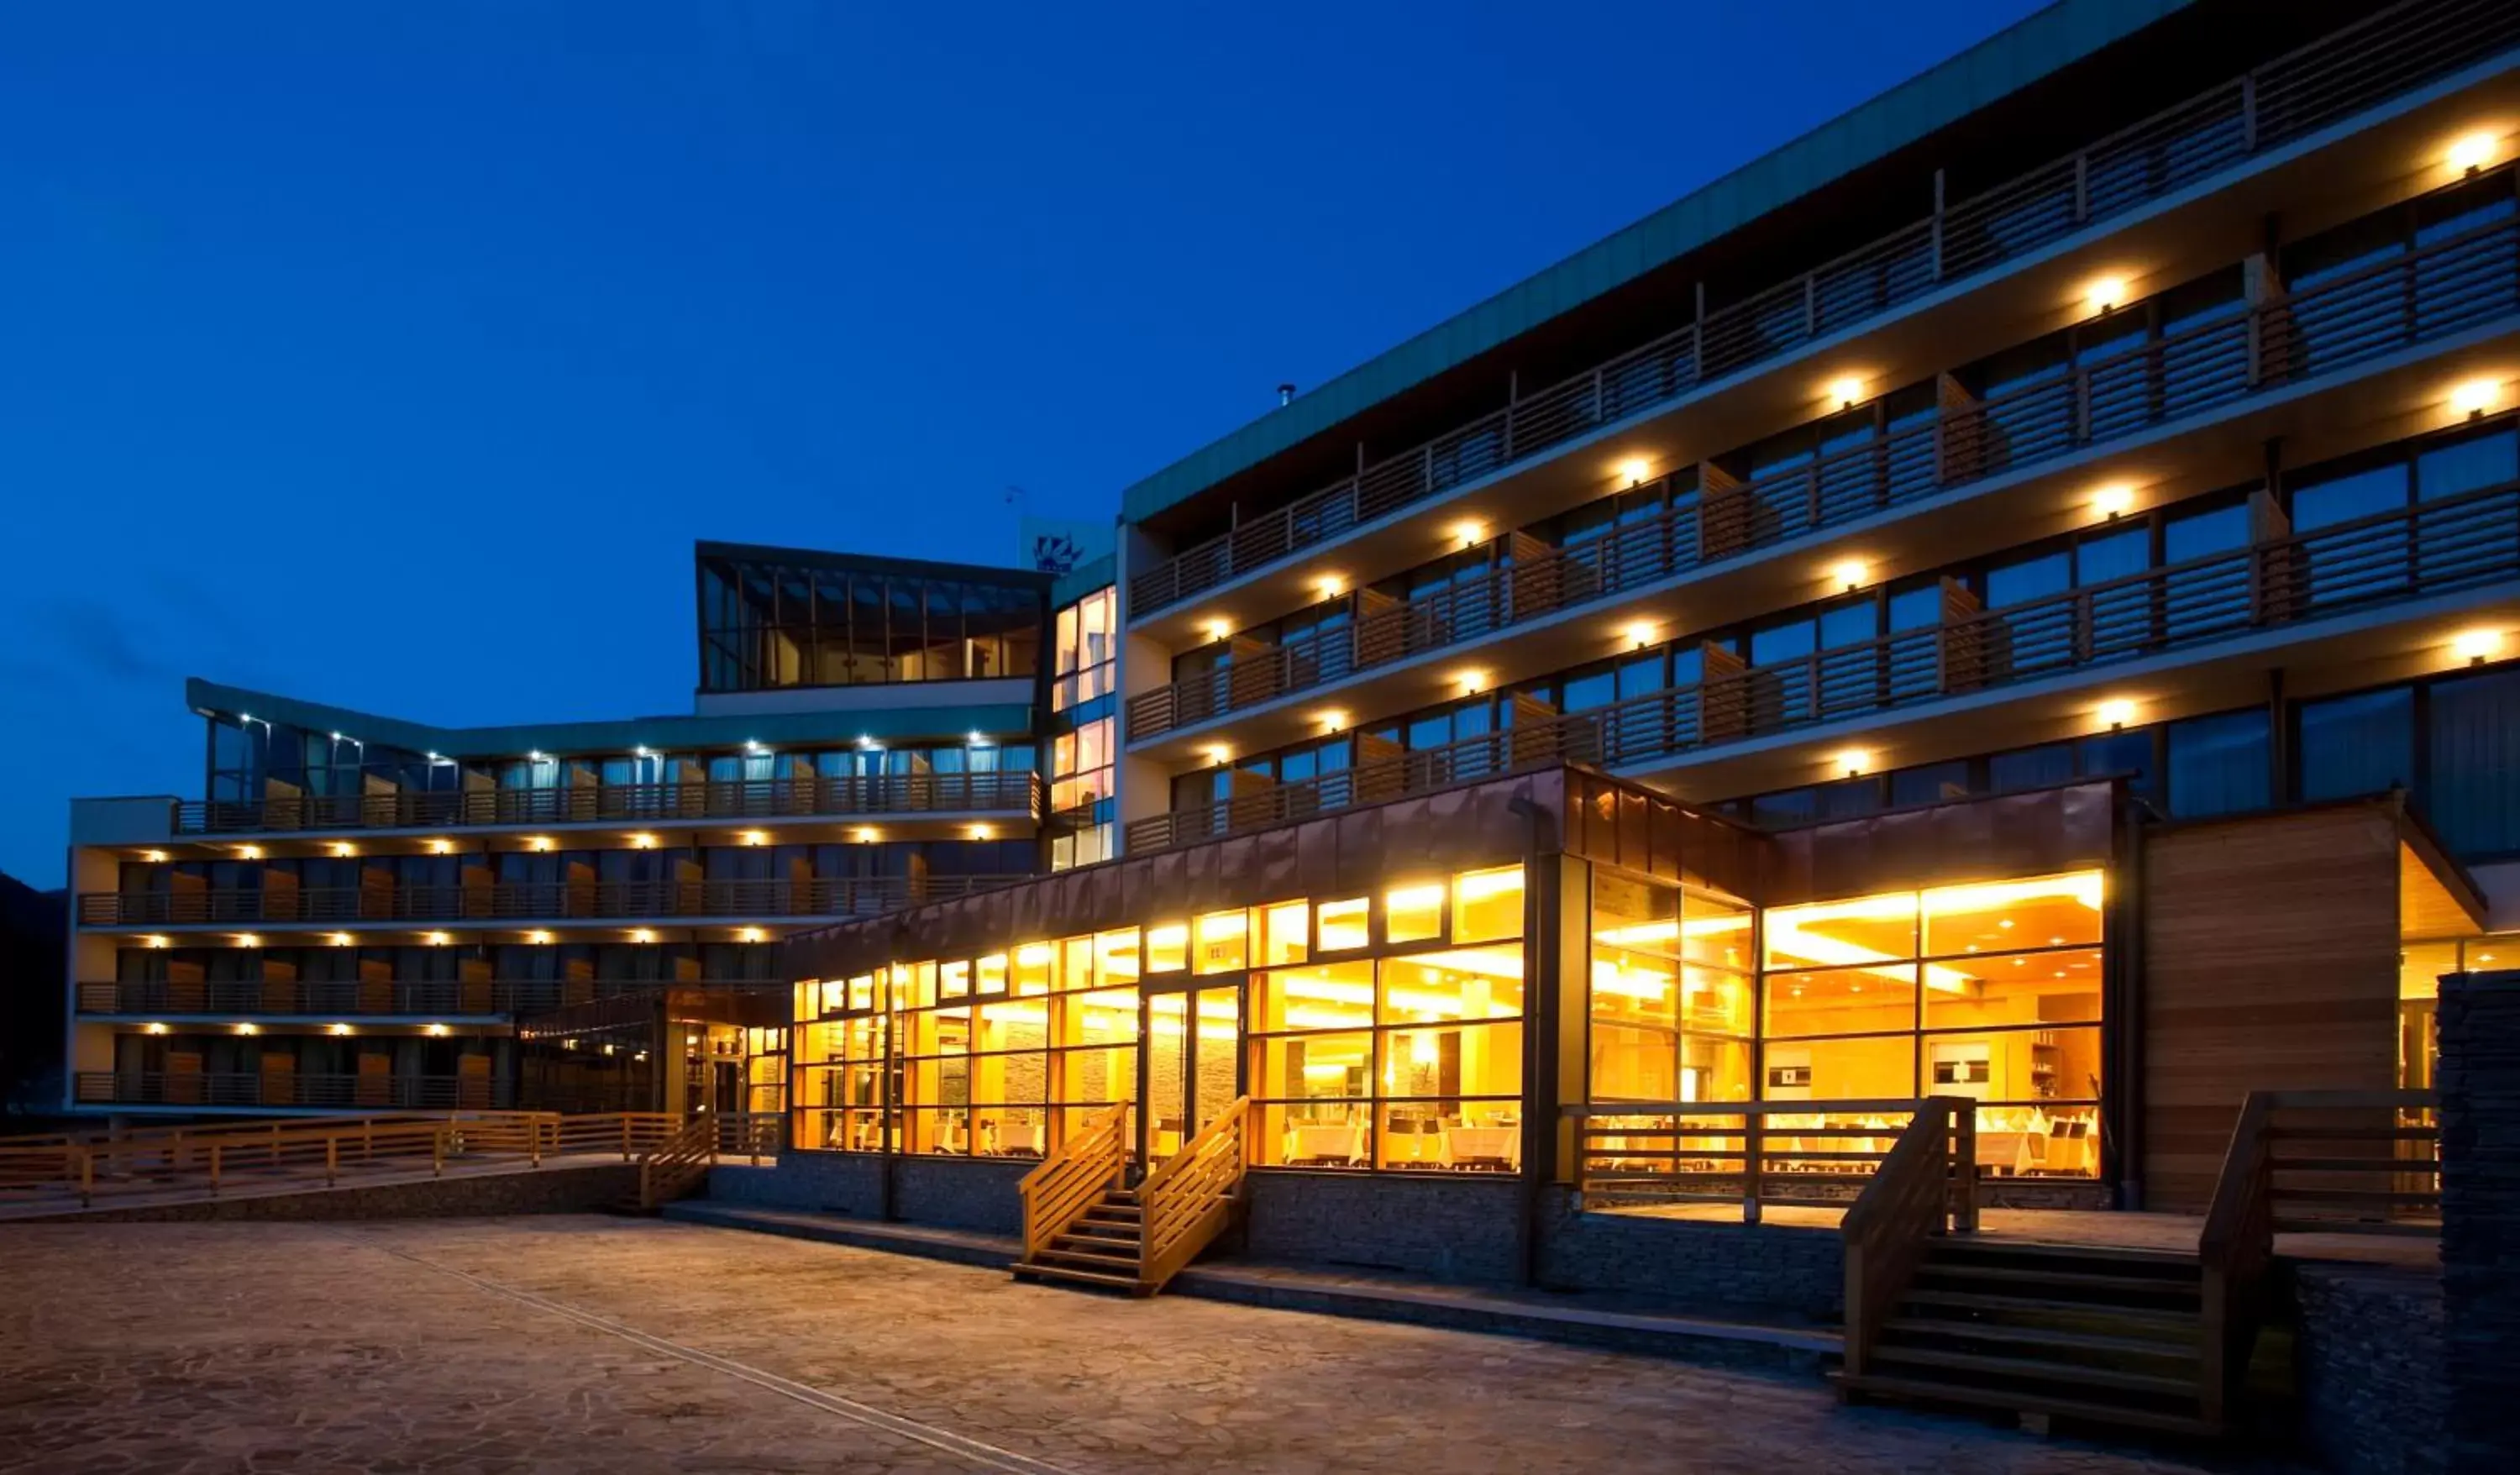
point(783, 618)
point(1433, 1008)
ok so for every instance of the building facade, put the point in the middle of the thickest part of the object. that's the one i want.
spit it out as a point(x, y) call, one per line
point(2129, 409)
point(367, 912)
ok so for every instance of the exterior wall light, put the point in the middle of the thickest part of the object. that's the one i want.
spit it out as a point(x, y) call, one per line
point(2116, 713)
point(1332, 586)
point(1470, 531)
point(153, 940)
point(2102, 294)
point(152, 1029)
point(343, 850)
point(441, 847)
point(2477, 647)
point(538, 939)
point(1332, 720)
point(2113, 500)
point(641, 934)
point(1635, 470)
point(642, 842)
point(1854, 762)
point(248, 940)
point(2471, 151)
point(339, 939)
point(248, 1029)
point(866, 834)
point(249, 852)
point(1638, 634)
point(751, 934)
point(438, 1031)
point(1845, 390)
point(1848, 574)
point(982, 832)
point(1472, 681)
point(338, 1029)
point(2473, 398)
point(756, 837)
point(437, 939)
point(153, 857)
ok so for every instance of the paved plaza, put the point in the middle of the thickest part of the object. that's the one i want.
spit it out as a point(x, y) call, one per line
point(592, 1344)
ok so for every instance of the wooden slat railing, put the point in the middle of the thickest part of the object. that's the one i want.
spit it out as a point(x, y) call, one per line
point(670, 1168)
point(1801, 1154)
point(336, 999)
point(2447, 286)
point(229, 1088)
point(2363, 64)
point(1090, 1163)
point(2293, 1165)
point(1925, 1185)
point(1010, 792)
point(1190, 1198)
point(2370, 562)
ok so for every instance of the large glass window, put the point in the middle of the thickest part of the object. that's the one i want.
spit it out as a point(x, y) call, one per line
point(1990, 990)
point(771, 625)
point(1671, 1009)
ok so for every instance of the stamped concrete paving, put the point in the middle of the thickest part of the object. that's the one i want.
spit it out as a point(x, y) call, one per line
point(571, 1344)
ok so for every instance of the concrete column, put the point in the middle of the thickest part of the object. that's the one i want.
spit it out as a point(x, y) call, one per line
point(2480, 1144)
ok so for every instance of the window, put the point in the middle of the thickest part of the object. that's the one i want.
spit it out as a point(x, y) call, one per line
point(1990, 990)
point(765, 625)
point(2358, 744)
point(2473, 798)
point(2218, 764)
point(1670, 1012)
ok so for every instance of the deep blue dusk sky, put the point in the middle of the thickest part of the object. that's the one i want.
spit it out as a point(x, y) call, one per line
point(393, 355)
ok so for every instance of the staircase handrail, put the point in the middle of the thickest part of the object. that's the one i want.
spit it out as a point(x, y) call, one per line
point(1075, 1176)
point(664, 1171)
point(1189, 1198)
point(1927, 1183)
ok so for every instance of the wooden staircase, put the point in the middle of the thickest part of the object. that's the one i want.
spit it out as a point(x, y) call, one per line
point(678, 1165)
point(2101, 1336)
point(1085, 1228)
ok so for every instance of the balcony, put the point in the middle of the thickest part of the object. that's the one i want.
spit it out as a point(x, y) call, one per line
point(348, 999)
point(230, 1089)
point(522, 903)
point(2359, 67)
point(845, 797)
point(2393, 558)
point(2447, 288)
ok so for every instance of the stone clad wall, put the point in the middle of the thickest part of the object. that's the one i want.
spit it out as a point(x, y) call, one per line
point(2374, 1387)
point(1708, 1266)
point(1449, 1226)
point(2480, 1090)
point(960, 1192)
point(837, 1183)
point(577, 1189)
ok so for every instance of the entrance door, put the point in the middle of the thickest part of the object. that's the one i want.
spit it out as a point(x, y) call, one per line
point(1191, 1061)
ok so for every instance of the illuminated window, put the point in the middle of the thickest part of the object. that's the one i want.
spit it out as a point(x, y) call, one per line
point(1224, 939)
point(1412, 913)
point(1487, 905)
point(1168, 948)
point(1342, 926)
point(1285, 934)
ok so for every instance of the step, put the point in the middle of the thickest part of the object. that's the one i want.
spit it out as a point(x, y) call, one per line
point(2039, 1336)
point(1109, 1210)
point(2149, 1285)
point(1034, 1270)
point(1117, 1263)
point(2041, 1306)
point(1927, 1389)
point(1971, 1249)
point(1106, 1229)
point(2038, 1370)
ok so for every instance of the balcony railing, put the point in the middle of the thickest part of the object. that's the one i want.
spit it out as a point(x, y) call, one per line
point(2361, 66)
point(179, 1088)
point(529, 901)
point(2448, 286)
point(350, 998)
point(2434, 548)
point(847, 796)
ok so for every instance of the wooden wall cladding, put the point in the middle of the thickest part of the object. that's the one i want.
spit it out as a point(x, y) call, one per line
point(2270, 963)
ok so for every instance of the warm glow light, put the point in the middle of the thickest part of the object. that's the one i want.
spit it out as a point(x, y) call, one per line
point(153, 940)
point(751, 934)
point(152, 1029)
point(982, 832)
point(339, 939)
point(2116, 713)
point(1469, 531)
point(440, 1031)
point(2471, 151)
point(249, 852)
point(437, 939)
point(1332, 720)
point(338, 1029)
point(247, 940)
point(1848, 573)
point(1332, 586)
point(641, 934)
point(248, 1029)
point(1217, 754)
point(1635, 470)
point(867, 835)
point(1471, 681)
point(1216, 629)
point(343, 850)
point(2113, 500)
point(2475, 396)
point(1853, 760)
point(441, 847)
point(156, 856)
point(540, 842)
point(756, 837)
point(1638, 633)
point(642, 842)
point(2477, 644)
point(538, 939)
point(2104, 293)
point(1845, 390)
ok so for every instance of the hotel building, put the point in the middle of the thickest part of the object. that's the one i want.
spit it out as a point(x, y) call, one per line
point(364, 912)
point(2014, 595)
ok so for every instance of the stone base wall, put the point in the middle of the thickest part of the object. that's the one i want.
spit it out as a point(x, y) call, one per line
point(2372, 1367)
point(960, 1192)
point(2480, 1124)
point(1759, 1270)
point(537, 1191)
point(1451, 1228)
point(834, 1183)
